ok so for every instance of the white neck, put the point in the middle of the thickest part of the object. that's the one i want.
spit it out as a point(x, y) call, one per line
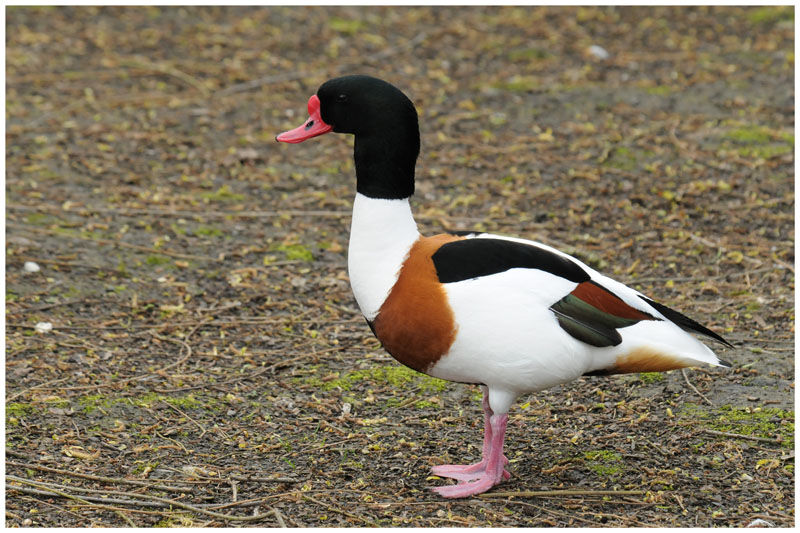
point(381, 234)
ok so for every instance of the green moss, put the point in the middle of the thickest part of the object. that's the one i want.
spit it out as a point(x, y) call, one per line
point(91, 402)
point(755, 141)
point(770, 15)
point(528, 53)
point(145, 400)
point(603, 462)
point(223, 194)
point(18, 410)
point(141, 466)
point(623, 158)
point(296, 252)
point(208, 231)
point(155, 260)
point(518, 84)
point(749, 135)
point(187, 402)
point(765, 152)
point(651, 377)
point(176, 520)
point(659, 90)
point(39, 219)
point(764, 422)
point(55, 401)
point(398, 377)
point(347, 26)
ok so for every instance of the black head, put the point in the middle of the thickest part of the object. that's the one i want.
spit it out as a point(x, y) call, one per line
point(363, 105)
point(384, 122)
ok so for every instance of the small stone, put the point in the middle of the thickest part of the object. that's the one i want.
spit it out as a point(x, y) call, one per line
point(30, 266)
point(43, 327)
point(758, 522)
point(599, 52)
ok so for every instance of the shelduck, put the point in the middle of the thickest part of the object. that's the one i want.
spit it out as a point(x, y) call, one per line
point(511, 315)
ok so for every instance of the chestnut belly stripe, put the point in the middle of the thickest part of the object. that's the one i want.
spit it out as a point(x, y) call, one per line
point(415, 324)
point(642, 360)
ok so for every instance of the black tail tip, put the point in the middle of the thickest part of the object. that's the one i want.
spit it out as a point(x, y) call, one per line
point(724, 363)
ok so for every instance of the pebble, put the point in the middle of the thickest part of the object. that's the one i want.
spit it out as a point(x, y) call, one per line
point(758, 522)
point(43, 327)
point(30, 266)
point(599, 52)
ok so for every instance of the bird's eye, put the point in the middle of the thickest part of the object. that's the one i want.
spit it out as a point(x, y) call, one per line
point(341, 98)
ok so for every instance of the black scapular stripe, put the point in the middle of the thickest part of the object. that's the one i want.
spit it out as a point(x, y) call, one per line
point(685, 323)
point(473, 258)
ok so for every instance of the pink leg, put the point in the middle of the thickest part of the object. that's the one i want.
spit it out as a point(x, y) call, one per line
point(493, 472)
point(474, 471)
point(479, 477)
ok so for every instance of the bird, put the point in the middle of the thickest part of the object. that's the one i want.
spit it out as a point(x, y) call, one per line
point(511, 315)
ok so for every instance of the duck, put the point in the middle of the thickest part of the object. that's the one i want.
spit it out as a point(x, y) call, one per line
point(510, 315)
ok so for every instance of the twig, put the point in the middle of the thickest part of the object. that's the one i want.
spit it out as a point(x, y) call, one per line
point(57, 304)
point(183, 343)
point(239, 477)
point(121, 211)
point(131, 212)
point(196, 423)
point(554, 512)
point(340, 511)
point(740, 436)
point(70, 264)
point(41, 386)
point(112, 243)
point(253, 374)
point(149, 501)
point(168, 70)
point(278, 517)
point(565, 493)
point(92, 501)
point(158, 372)
point(266, 80)
point(686, 378)
point(122, 515)
point(178, 443)
point(59, 508)
point(721, 248)
point(98, 478)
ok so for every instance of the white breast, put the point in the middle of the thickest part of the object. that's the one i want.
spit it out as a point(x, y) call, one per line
point(381, 234)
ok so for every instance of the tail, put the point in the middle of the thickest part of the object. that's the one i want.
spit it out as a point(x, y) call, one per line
point(658, 346)
point(687, 324)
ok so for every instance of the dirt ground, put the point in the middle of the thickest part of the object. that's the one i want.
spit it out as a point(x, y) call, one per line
point(207, 365)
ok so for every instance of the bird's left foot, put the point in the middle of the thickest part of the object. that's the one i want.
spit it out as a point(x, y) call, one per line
point(466, 472)
point(479, 482)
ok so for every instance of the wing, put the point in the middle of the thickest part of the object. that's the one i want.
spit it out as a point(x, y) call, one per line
point(592, 312)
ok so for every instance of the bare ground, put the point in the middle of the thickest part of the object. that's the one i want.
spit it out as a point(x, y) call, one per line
point(207, 364)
